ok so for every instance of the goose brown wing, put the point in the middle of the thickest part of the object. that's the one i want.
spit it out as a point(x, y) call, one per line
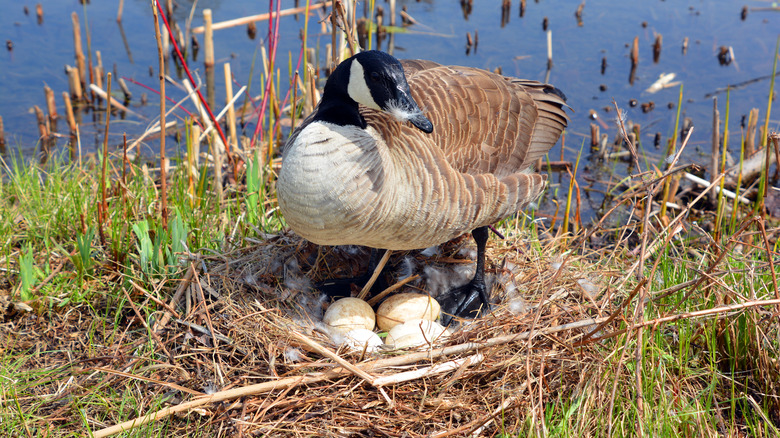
point(485, 122)
point(413, 66)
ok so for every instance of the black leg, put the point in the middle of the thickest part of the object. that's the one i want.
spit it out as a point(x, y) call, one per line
point(470, 300)
point(341, 287)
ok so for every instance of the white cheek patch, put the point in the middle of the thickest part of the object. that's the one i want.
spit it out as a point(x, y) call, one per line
point(357, 87)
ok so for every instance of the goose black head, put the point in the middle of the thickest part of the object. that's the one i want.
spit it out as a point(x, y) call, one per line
point(376, 80)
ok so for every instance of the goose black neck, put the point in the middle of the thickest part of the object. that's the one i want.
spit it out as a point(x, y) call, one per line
point(336, 106)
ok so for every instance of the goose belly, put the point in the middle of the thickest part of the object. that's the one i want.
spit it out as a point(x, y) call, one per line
point(340, 186)
point(328, 184)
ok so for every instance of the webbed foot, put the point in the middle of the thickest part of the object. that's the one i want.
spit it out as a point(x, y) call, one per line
point(467, 301)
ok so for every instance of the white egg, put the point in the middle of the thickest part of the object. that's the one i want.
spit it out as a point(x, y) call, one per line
point(416, 332)
point(348, 314)
point(405, 307)
point(362, 339)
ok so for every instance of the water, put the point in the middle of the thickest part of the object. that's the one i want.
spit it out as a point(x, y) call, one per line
point(519, 47)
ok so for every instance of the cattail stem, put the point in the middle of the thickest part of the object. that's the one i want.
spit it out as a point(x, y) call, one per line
point(69, 113)
point(765, 132)
point(715, 149)
point(103, 206)
point(231, 112)
point(2, 136)
point(719, 213)
point(549, 49)
point(42, 129)
point(635, 52)
point(125, 89)
point(671, 148)
point(51, 104)
point(163, 163)
point(74, 84)
point(657, 48)
point(80, 60)
point(208, 39)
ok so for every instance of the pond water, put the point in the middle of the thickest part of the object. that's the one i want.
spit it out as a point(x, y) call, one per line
point(37, 51)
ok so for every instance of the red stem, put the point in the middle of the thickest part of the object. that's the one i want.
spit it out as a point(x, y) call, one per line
point(197, 90)
point(273, 39)
point(168, 98)
point(289, 90)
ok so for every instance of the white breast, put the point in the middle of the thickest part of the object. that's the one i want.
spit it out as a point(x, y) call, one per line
point(330, 181)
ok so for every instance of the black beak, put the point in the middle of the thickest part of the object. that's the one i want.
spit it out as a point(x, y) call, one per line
point(414, 114)
point(422, 123)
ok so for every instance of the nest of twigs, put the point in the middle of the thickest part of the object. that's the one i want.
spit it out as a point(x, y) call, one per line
point(238, 349)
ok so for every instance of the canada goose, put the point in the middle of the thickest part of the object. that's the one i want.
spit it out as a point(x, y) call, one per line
point(355, 173)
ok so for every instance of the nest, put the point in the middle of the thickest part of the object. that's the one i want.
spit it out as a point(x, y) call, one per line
point(240, 349)
point(490, 374)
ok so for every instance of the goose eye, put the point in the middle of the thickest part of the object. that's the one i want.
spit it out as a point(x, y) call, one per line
point(374, 76)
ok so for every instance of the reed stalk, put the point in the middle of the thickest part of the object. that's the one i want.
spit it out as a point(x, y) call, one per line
point(715, 148)
point(305, 42)
point(735, 205)
point(2, 136)
point(103, 206)
point(371, 9)
point(721, 205)
point(208, 39)
point(231, 112)
point(51, 104)
point(567, 208)
point(750, 135)
point(89, 48)
point(80, 60)
point(163, 162)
